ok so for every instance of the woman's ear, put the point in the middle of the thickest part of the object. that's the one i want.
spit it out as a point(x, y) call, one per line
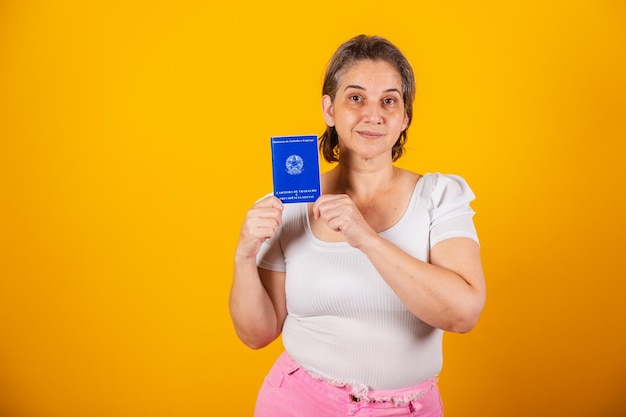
point(405, 123)
point(327, 110)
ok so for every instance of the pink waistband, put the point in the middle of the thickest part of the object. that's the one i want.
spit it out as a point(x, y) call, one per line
point(361, 392)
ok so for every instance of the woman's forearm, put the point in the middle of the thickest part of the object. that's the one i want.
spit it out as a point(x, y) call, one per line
point(251, 308)
point(447, 298)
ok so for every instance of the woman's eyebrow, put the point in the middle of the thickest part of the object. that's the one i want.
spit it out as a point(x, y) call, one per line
point(358, 87)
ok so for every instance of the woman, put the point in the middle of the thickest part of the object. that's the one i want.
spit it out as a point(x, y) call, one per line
point(362, 283)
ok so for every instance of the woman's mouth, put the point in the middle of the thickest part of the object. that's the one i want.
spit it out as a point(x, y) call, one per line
point(369, 135)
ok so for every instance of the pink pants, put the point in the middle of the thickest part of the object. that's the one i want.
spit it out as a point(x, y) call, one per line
point(290, 391)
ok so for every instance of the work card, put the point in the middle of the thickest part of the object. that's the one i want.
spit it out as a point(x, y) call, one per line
point(295, 168)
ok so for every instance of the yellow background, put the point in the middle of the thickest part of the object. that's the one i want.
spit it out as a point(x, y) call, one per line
point(134, 136)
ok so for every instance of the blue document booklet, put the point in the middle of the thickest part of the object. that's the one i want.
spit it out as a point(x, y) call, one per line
point(295, 168)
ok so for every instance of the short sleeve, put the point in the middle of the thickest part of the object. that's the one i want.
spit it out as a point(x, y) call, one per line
point(270, 255)
point(452, 215)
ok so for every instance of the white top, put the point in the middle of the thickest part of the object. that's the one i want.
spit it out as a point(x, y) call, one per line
point(344, 322)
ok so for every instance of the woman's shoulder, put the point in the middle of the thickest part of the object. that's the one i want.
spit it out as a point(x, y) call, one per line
point(441, 187)
point(409, 179)
point(441, 179)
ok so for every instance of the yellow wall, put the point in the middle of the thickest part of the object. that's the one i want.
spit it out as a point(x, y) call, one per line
point(134, 136)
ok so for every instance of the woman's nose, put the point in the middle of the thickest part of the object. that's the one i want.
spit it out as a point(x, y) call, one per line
point(372, 113)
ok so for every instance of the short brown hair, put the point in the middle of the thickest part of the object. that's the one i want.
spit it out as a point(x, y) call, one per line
point(360, 48)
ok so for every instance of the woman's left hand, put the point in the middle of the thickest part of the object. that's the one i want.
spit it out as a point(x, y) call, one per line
point(340, 213)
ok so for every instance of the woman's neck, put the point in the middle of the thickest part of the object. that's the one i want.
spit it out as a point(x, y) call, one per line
point(360, 183)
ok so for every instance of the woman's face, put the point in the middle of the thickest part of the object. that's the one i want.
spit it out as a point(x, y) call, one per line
point(368, 110)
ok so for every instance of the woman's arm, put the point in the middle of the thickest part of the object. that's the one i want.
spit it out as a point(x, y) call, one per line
point(447, 293)
point(257, 297)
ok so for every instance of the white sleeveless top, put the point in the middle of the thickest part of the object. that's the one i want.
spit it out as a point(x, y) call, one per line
point(344, 322)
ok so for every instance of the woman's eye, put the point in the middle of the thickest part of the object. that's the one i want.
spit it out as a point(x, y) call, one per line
point(355, 98)
point(389, 101)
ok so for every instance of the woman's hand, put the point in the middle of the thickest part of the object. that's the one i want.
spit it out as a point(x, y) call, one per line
point(261, 223)
point(340, 213)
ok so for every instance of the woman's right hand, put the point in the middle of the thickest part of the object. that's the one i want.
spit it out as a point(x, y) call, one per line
point(261, 223)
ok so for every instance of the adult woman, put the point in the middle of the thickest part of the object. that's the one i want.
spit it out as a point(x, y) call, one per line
point(363, 282)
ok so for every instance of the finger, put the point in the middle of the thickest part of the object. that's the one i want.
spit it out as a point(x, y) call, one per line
point(325, 201)
point(266, 220)
point(271, 201)
point(265, 212)
point(316, 210)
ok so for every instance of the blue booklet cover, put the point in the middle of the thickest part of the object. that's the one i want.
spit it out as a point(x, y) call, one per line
point(295, 168)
